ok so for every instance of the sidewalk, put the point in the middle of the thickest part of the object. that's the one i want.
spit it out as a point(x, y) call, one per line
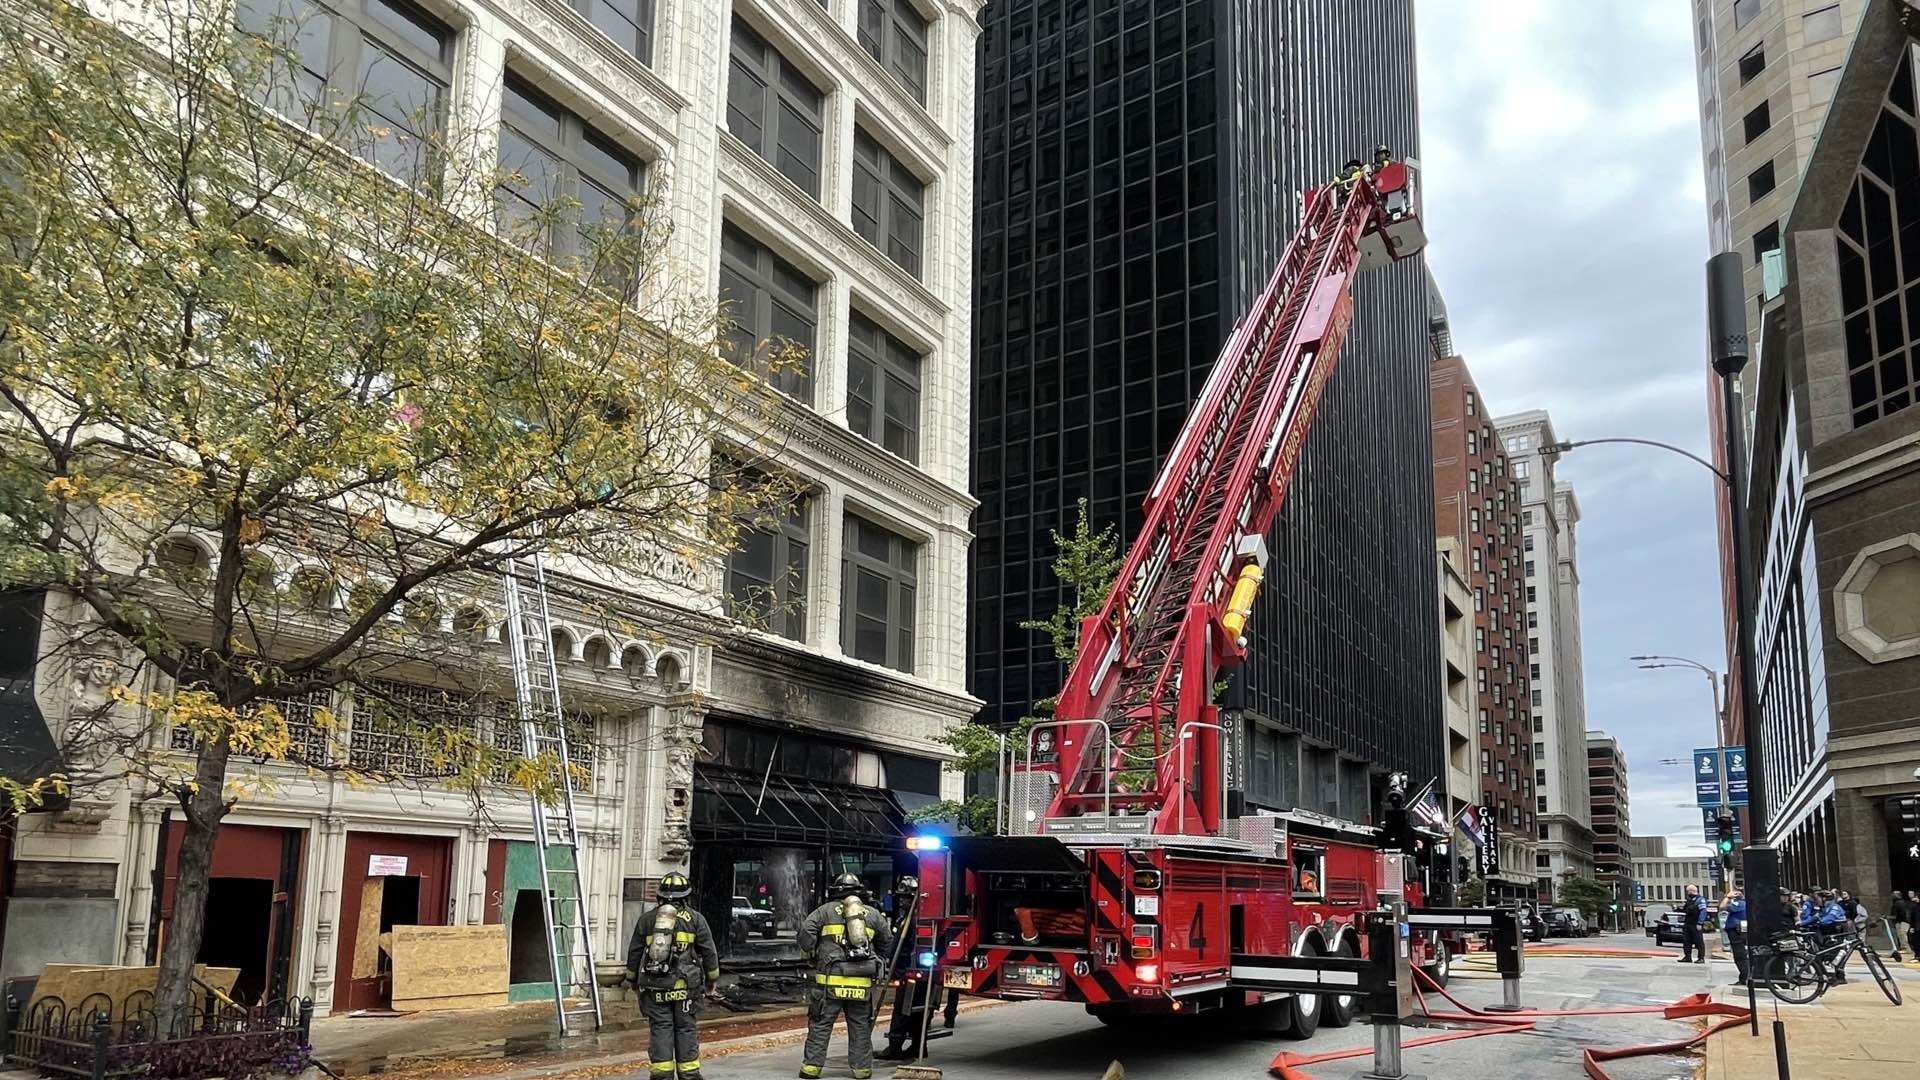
point(1851, 1033)
point(517, 1042)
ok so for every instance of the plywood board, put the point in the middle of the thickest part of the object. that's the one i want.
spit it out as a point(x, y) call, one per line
point(366, 932)
point(72, 984)
point(444, 967)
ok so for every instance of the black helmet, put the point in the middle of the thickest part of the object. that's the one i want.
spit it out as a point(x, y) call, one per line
point(849, 883)
point(675, 887)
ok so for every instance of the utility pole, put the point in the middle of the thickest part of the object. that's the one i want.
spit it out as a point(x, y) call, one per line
point(1729, 352)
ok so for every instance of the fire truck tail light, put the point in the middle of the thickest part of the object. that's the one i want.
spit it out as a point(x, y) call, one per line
point(1147, 972)
point(1145, 939)
point(1146, 879)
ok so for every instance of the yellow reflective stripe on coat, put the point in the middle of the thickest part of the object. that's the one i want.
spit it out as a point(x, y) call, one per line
point(843, 980)
point(834, 930)
point(684, 937)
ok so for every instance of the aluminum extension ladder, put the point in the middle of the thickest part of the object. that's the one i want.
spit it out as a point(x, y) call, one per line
point(556, 831)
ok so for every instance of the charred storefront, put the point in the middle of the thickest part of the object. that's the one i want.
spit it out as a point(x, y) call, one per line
point(779, 811)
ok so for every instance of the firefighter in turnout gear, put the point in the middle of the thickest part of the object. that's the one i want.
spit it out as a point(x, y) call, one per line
point(848, 941)
point(672, 953)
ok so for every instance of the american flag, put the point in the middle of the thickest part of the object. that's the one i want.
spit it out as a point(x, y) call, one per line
point(1427, 812)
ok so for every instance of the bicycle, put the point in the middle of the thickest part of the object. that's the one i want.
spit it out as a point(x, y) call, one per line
point(1799, 966)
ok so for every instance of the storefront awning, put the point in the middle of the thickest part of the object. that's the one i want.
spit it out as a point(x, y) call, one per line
point(27, 750)
point(729, 805)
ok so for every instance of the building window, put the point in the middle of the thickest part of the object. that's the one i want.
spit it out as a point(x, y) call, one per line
point(1483, 679)
point(1756, 123)
point(1822, 25)
point(628, 22)
point(1533, 595)
point(892, 32)
point(1533, 620)
point(1473, 481)
point(548, 152)
point(1473, 519)
point(1473, 443)
point(767, 572)
point(879, 571)
point(769, 300)
point(1820, 85)
point(400, 59)
point(1530, 568)
point(1760, 182)
point(1744, 11)
point(1473, 404)
point(1536, 699)
point(883, 388)
point(774, 109)
point(888, 202)
point(1527, 544)
point(1476, 560)
point(1879, 278)
point(1765, 239)
point(1753, 63)
point(1483, 722)
point(1520, 471)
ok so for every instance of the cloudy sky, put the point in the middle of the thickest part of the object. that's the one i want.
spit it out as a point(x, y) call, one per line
point(1564, 203)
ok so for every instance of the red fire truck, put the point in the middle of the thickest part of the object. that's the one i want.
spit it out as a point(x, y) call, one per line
point(1125, 884)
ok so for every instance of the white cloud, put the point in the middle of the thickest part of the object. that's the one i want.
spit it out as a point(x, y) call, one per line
point(1565, 205)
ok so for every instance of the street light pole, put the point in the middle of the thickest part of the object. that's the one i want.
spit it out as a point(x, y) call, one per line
point(1714, 679)
point(1727, 342)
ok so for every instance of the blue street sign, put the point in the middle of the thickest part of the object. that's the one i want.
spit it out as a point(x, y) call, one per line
point(1736, 759)
point(1706, 777)
point(1639, 892)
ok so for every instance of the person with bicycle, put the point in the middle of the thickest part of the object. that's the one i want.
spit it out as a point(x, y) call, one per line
point(1830, 922)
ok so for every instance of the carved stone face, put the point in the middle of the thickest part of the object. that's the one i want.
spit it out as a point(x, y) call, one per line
point(94, 677)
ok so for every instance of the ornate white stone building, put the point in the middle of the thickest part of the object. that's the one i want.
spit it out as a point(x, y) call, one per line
point(816, 158)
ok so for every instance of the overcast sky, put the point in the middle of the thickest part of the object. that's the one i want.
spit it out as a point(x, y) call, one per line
point(1561, 155)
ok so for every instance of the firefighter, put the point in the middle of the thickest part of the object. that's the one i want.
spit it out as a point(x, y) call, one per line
point(910, 999)
point(847, 939)
point(672, 951)
point(1381, 157)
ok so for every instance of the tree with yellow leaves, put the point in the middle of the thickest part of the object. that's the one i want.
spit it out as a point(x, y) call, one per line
point(278, 369)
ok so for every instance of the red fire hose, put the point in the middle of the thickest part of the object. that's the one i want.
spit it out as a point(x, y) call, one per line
point(1287, 1065)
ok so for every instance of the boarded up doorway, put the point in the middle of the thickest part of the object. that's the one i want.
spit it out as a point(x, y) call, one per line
point(388, 881)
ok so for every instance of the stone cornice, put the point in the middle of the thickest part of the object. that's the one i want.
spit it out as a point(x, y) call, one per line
point(839, 675)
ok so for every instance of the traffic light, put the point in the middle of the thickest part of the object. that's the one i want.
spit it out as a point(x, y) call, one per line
point(1723, 832)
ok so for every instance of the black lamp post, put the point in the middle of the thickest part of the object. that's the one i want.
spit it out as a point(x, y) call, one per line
point(1727, 344)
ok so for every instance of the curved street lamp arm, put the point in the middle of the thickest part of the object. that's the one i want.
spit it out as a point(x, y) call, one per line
point(1563, 447)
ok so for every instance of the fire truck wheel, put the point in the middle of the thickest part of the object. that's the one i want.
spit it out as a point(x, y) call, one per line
point(1336, 1010)
point(1300, 1014)
point(1442, 966)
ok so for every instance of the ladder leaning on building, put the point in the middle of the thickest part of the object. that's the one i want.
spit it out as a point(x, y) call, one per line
point(536, 685)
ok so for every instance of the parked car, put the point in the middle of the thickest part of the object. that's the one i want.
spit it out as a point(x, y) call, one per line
point(1532, 926)
point(1670, 929)
point(1566, 922)
point(757, 920)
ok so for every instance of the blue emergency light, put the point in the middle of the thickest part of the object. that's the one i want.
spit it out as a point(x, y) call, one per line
point(926, 959)
point(930, 842)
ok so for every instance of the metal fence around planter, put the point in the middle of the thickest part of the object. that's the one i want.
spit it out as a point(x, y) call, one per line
point(93, 1039)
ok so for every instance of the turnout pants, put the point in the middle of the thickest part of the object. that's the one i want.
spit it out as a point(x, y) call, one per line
point(673, 1037)
point(823, 1007)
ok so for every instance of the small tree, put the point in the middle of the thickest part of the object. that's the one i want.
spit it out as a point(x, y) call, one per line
point(274, 384)
point(1584, 893)
point(1086, 563)
point(1471, 892)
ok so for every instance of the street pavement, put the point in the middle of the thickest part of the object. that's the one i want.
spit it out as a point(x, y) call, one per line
point(1049, 1041)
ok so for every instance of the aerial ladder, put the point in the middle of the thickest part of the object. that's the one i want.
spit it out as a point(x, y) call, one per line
point(1138, 700)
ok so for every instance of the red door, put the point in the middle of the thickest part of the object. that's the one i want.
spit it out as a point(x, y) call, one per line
point(252, 890)
point(389, 880)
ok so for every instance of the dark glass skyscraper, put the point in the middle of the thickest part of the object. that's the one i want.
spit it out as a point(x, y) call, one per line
point(1139, 171)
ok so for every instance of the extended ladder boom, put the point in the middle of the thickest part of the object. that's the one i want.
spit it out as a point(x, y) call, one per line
point(1138, 701)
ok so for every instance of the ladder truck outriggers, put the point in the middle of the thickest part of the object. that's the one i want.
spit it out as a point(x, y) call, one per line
point(1122, 881)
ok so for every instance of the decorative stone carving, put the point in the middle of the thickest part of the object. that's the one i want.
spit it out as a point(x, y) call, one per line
point(676, 817)
point(95, 674)
point(1876, 604)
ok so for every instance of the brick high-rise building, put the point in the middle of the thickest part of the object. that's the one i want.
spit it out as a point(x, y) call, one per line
point(1477, 505)
point(1139, 166)
point(1607, 787)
